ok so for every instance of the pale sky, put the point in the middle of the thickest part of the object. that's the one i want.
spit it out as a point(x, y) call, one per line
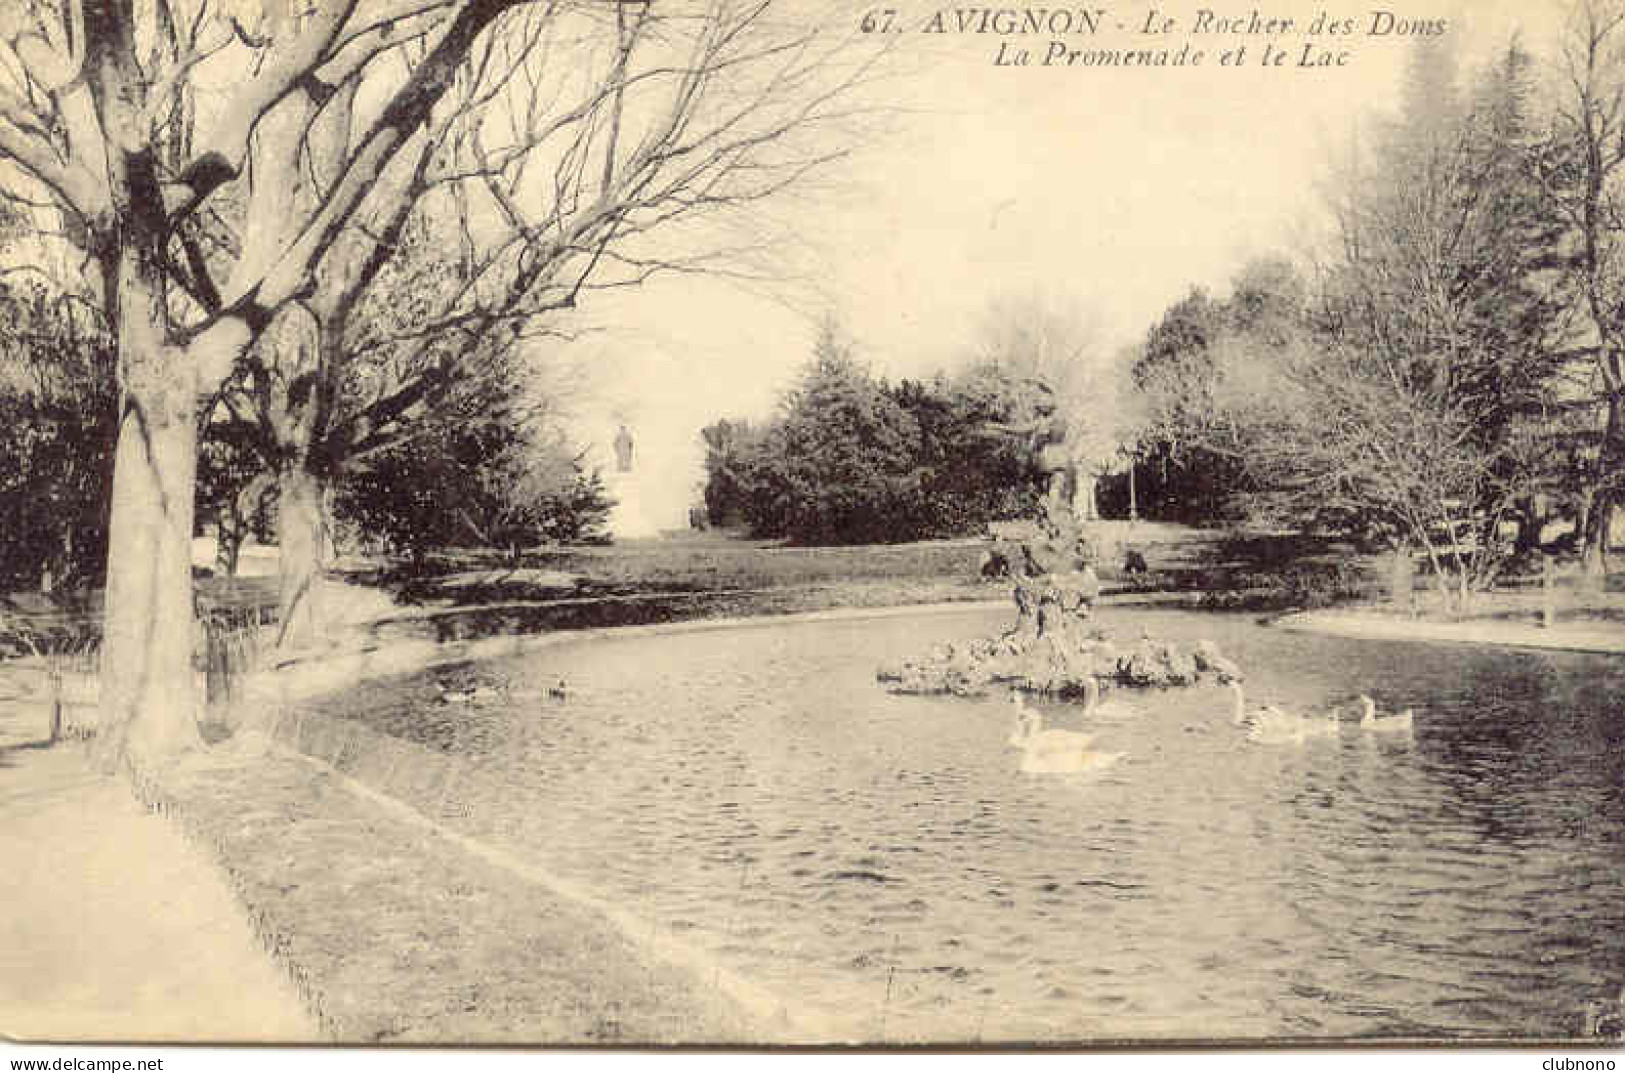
point(1117, 187)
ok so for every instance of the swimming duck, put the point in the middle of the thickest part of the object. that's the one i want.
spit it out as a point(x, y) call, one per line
point(468, 694)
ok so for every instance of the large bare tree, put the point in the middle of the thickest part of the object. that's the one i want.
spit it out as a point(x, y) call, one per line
point(239, 174)
point(538, 184)
point(1581, 168)
point(99, 109)
point(1085, 387)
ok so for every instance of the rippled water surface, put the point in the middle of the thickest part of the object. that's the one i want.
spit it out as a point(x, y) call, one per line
point(882, 862)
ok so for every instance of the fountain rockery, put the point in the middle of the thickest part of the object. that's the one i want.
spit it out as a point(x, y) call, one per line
point(1054, 648)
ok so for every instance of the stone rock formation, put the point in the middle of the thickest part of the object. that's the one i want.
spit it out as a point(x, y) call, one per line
point(1053, 648)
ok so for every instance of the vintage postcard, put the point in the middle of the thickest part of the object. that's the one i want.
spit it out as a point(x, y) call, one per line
point(749, 523)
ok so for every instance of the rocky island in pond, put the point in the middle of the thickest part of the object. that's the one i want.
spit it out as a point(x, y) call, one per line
point(1053, 648)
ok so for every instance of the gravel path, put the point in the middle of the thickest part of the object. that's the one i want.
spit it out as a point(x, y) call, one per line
point(1568, 637)
point(115, 927)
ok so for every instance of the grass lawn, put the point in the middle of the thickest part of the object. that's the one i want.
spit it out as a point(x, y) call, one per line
point(712, 575)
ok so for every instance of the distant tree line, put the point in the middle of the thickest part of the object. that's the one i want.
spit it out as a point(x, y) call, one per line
point(1446, 375)
point(851, 458)
point(1442, 373)
point(486, 469)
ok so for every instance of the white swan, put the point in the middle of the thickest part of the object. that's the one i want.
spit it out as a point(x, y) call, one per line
point(1270, 725)
point(1265, 715)
point(1400, 723)
point(1074, 762)
point(1031, 735)
point(1326, 725)
point(1053, 752)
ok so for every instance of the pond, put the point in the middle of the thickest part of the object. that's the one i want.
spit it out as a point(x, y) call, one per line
point(882, 861)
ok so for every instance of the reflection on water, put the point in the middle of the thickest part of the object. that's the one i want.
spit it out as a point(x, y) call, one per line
point(883, 861)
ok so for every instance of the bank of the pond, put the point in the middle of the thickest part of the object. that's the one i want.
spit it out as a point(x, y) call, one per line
point(1377, 624)
point(272, 903)
point(315, 674)
point(396, 933)
point(304, 675)
point(504, 614)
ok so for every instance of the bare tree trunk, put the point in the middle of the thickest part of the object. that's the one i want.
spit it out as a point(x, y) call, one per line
point(148, 706)
point(1595, 531)
point(302, 536)
point(295, 339)
point(1595, 537)
point(1401, 579)
point(229, 533)
point(1419, 532)
point(1530, 524)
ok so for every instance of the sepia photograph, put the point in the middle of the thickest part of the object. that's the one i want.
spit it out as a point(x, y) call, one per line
point(768, 524)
